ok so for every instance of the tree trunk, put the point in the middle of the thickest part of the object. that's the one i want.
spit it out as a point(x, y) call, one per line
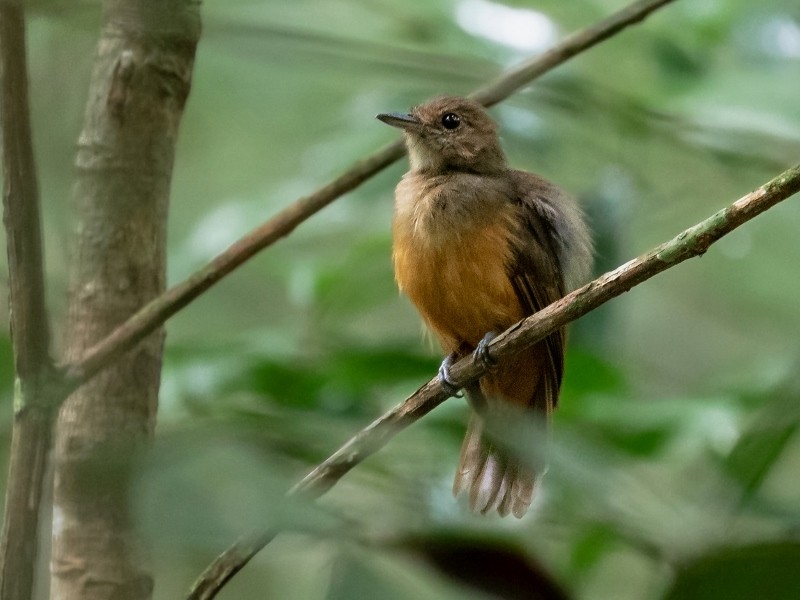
point(33, 401)
point(139, 85)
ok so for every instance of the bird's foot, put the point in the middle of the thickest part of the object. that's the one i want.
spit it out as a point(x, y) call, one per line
point(444, 376)
point(481, 354)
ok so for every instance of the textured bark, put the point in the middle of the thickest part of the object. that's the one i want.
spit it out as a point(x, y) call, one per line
point(33, 415)
point(139, 85)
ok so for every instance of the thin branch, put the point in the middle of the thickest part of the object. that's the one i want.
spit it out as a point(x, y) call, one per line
point(154, 314)
point(33, 406)
point(690, 243)
point(21, 201)
point(521, 75)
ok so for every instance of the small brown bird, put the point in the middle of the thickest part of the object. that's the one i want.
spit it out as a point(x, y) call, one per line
point(477, 247)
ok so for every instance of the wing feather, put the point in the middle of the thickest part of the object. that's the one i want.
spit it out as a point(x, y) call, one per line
point(552, 232)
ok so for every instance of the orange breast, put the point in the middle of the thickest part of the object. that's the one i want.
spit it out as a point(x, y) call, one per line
point(456, 276)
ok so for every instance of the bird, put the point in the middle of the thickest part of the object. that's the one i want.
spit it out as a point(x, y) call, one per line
point(477, 246)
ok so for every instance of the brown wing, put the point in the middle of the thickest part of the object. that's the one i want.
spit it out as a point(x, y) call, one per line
point(494, 475)
point(552, 248)
point(536, 273)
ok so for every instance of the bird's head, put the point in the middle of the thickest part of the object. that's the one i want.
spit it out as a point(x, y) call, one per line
point(450, 133)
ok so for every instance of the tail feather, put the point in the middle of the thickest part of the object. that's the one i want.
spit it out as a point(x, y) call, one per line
point(493, 478)
point(521, 494)
point(515, 403)
point(487, 485)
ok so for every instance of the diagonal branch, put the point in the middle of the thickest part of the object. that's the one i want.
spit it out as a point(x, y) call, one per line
point(688, 244)
point(154, 314)
point(33, 406)
point(518, 77)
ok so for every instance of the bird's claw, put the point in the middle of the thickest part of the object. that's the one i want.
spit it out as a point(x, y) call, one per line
point(481, 354)
point(444, 376)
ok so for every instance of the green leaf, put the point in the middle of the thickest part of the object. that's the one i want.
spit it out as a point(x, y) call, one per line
point(766, 571)
point(762, 444)
point(590, 548)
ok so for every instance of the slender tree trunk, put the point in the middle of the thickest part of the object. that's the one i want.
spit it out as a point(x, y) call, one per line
point(33, 401)
point(139, 85)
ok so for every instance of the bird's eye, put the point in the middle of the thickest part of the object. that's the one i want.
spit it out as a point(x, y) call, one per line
point(451, 120)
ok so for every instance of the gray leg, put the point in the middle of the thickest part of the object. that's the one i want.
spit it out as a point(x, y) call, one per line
point(444, 375)
point(475, 398)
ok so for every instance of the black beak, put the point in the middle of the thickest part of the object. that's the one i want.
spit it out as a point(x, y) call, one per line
point(401, 120)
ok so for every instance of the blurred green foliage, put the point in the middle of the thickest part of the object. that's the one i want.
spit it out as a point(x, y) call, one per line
point(674, 458)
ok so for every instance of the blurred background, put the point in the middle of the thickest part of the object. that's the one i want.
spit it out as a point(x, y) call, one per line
point(674, 461)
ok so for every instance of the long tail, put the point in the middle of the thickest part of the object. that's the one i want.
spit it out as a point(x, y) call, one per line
point(494, 478)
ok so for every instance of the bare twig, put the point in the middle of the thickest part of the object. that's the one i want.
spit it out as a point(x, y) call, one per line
point(690, 243)
point(521, 75)
point(160, 309)
point(29, 323)
point(156, 312)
